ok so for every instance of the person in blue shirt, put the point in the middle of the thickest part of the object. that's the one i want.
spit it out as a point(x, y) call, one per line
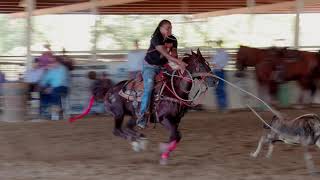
point(2, 80)
point(2, 77)
point(157, 56)
point(53, 86)
point(220, 61)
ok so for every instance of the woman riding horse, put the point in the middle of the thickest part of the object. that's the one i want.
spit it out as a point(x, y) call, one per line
point(156, 57)
point(168, 109)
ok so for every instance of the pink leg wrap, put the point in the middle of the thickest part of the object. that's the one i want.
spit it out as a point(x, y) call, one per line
point(171, 147)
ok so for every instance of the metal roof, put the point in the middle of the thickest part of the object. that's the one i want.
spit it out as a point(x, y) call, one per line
point(156, 6)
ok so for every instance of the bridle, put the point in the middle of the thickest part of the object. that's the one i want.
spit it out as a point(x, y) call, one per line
point(197, 79)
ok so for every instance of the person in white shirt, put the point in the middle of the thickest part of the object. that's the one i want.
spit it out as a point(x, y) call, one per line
point(135, 60)
point(33, 75)
point(220, 60)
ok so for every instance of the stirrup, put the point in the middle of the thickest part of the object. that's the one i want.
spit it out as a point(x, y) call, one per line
point(141, 122)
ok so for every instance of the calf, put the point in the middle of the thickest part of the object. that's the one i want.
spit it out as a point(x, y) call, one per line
point(304, 130)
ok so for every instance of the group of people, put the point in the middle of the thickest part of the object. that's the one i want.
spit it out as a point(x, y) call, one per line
point(49, 75)
point(162, 51)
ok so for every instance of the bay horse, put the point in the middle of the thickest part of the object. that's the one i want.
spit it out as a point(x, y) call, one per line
point(168, 108)
point(299, 66)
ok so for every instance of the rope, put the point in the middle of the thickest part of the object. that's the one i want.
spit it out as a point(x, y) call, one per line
point(304, 115)
point(255, 112)
point(234, 86)
point(173, 89)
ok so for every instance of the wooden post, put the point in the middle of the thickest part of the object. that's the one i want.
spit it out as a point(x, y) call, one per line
point(299, 8)
point(94, 11)
point(29, 8)
point(250, 5)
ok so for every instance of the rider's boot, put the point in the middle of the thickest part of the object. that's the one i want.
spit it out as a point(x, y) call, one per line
point(142, 121)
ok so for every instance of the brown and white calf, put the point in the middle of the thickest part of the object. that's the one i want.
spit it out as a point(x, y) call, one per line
point(304, 130)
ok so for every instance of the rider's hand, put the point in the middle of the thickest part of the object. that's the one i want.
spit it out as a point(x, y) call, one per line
point(48, 90)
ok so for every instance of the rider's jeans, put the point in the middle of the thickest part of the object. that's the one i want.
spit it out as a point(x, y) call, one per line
point(148, 73)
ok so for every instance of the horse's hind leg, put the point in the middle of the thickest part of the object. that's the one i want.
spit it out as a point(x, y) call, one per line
point(130, 129)
point(138, 141)
point(117, 130)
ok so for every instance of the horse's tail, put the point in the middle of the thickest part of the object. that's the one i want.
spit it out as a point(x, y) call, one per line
point(85, 112)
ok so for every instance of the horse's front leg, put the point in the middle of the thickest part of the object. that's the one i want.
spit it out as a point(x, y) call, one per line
point(175, 137)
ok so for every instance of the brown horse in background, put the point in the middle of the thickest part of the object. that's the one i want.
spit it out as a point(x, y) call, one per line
point(278, 65)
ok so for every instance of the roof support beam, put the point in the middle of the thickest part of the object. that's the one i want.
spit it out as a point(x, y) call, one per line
point(256, 9)
point(74, 7)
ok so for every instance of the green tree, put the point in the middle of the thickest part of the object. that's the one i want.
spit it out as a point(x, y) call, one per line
point(11, 34)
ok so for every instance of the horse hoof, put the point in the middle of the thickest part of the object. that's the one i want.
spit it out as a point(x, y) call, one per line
point(143, 142)
point(163, 161)
point(135, 146)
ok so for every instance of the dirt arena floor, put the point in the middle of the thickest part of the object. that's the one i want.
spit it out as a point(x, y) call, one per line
point(214, 146)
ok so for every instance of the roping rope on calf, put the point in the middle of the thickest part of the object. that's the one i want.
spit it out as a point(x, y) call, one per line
point(232, 85)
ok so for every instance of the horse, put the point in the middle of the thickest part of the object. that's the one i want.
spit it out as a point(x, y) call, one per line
point(278, 65)
point(261, 59)
point(302, 66)
point(168, 106)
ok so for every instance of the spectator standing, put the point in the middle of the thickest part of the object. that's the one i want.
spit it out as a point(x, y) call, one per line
point(135, 60)
point(54, 87)
point(33, 75)
point(220, 60)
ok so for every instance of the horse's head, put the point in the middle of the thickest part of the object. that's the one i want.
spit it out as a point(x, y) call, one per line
point(198, 67)
point(247, 56)
point(242, 57)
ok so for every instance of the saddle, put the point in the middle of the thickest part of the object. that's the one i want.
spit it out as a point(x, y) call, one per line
point(133, 89)
point(291, 55)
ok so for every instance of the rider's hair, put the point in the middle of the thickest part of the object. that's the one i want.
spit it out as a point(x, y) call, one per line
point(157, 31)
